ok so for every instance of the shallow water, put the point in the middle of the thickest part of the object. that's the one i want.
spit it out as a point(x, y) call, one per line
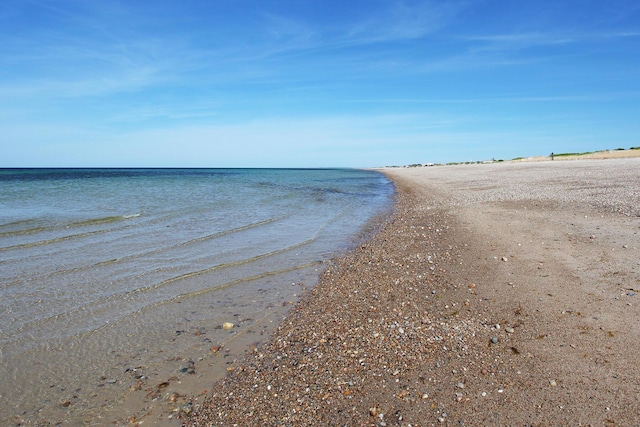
point(107, 272)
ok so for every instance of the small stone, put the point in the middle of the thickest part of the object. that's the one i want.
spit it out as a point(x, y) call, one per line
point(509, 330)
point(504, 259)
point(553, 383)
point(494, 340)
point(227, 325)
point(460, 385)
point(187, 408)
point(65, 403)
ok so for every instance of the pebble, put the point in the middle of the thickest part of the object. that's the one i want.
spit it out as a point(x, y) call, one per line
point(494, 340)
point(553, 383)
point(187, 408)
point(227, 325)
point(509, 330)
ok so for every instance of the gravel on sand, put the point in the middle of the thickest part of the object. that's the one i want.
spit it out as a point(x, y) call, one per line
point(502, 294)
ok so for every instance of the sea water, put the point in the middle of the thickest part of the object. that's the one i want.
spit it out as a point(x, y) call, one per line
point(105, 272)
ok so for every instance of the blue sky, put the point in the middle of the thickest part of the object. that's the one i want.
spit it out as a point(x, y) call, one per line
point(297, 83)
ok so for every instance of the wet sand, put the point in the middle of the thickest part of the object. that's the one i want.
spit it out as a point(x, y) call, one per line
point(500, 294)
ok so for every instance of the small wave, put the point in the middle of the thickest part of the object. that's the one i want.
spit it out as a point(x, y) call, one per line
point(103, 220)
point(40, 229)
point(128, 257)
point(221, 286)
point(123, 296)
point(24, 231)
point(50, 241)
point(221, 266)
point(17, 223)
point(231, 231)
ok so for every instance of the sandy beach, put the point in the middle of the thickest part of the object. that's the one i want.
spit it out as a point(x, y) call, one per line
point(498, 294)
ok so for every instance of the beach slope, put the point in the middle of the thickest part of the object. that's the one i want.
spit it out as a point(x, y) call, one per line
point(500, 294)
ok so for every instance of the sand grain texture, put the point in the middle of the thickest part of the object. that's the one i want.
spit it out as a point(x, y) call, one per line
point(502, 294)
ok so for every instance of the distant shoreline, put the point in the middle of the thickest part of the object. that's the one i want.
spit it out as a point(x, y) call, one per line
point(592, 155)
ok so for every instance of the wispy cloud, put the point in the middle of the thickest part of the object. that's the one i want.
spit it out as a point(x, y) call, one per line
point(505, 99)
point(518, 41)
point(404, 20)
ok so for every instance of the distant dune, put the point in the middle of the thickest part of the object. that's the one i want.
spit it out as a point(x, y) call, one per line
point(596, 155)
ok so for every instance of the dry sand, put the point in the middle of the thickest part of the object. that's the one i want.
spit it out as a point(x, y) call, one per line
point(503, 294)
point(596, 155)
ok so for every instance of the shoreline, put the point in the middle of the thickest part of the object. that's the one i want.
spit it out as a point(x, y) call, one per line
point(125, 319)
point(492, 296)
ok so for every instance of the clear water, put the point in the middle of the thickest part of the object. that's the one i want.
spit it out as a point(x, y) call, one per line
point(102, 270)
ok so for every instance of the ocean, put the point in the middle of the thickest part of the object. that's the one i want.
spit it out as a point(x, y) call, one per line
point(116, 281)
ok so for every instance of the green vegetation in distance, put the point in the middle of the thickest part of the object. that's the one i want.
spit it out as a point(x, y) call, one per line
point(574, 154)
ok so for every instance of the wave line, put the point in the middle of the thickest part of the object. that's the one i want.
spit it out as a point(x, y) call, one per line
point(123, 295)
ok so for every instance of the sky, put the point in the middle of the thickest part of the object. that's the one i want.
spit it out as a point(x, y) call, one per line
point(314, 83)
